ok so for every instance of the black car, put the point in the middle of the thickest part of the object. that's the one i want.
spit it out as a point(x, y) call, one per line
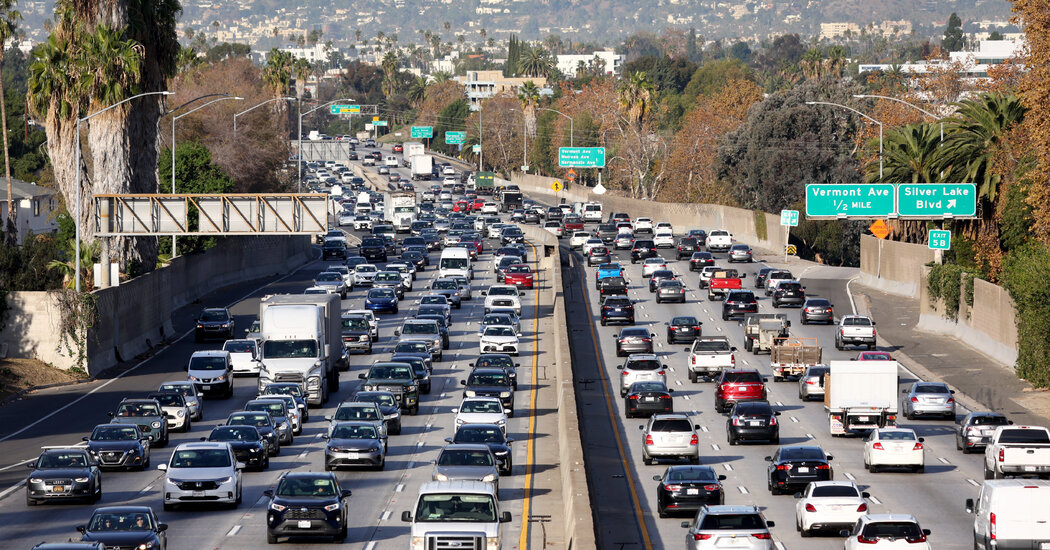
point(617, 308)
point(792, 468)
point(249, 446)
point(63, 474)
point(699, 260)
point(975, 430)
point(699, 234)
point(789, 293)
point(306, 504)
point(739, 303)
point(491, 435)
point(388, 405)
point(647, 398)
point(125, 527)
point(119, 446)
point(687, 488)
point(333, 248)
point(760, 277)
point(415, 257)
point(753, 421)
point(373, 249)
point(684, 328)
point(659, 276)
point(262, 422)
point(498, 361)
point(609, 286)
point(419, 369)
point(642, 249)
point(392, 247)
point(490, 382)
point(214, 322)
point(686, 247)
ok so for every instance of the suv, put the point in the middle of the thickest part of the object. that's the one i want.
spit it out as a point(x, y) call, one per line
point(641, 367)
point(789, 292)
point(333, 248)
point(373, 249)
point(893, 528)
point(686, 247)
point(278, 411)
point(617, 308)
point(356, 332)
point(670, 436)
point(490, 382)
point(612, 286)
point(739, 303)
point(715, 526)
point(738, 385)
point(211, 372)
point(202, 472)
point(642, 249)
point(148, 415)
point(214, 322)
point(397, 378)
point(753, 420)
point(306, 504)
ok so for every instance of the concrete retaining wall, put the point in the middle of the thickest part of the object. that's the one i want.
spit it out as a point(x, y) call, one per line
point(31, 328)
point(900, 270)
point(989, 325)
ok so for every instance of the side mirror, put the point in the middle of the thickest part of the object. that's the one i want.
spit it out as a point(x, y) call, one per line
point(829, 457)
point(657, 478)
point(506, 518)
point(769, 459)
point(969, 506)
point(462, 382)
point(397, 332)
point(844, 533)
point(776, 413)
point(268, 493)
point(798, 495)
point(448, 440)
point(904, 391)
point(204, 438)
point(328, 418)
point(346, 493)
point(687, 350)
point(670, 390)
point(162, 467)
point(788, 323)
point(240, 465)
point(516, 365)
point(324, 437)
point(922, 440)
point(31, 465)
point(362, 376)
point(406, 516)
point(770, 524)
point(743, 275)
point(109, 414)
point(685, 524)
point(732, 349)
point(865, 495)
point(641, 427)
point(952, 391)
point(927, 532)
point(85, 438)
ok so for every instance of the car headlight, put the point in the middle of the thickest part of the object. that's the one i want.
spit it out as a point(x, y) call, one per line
point(489, 478)
point(35, 480)
point(469, 393)
point(375, 449)
point(81, 480)
point(181, 413)
point(501, 422)
point(155, 425)
point(195, 379)
point(441, 477)
point(331, 507)
point(277, 507)
point(504, 394)
point(419, 543)
point(220, 378)
point(172, 481)
point(253, 450)
point(145, 545)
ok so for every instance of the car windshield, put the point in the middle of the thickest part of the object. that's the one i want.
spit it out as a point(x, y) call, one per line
point(671, 425)
point(234, 433)
point(801, 453)
point(732, 522)
point(464, 457)
point(372, 243)
point(519, 269)
point(185, 389)
point(411, 347)
point(671, 284)
point(499, 331)
point(481, 406)
point(214, 316)
point(702, 474)
point(354, 431)
point(388, 277)
point(892, 529)
point(63, 459)
point(389, 372)
point(239, 346)
point(752, 377)
point(120, 521)
point(643, 364)
point(834, 491)
point(200, 458)
point(138, 409)
point(495, 361)
point(361, 268)
point(896, 436)
point(931, 388)
point(256, 420)
point(306, 487)
point(383, 399)
point(419, 328)
point(488, 379)
point(115, 433)
point(169, 399)
point(207, 363)
point(445, 285)
point(380, 293)
point(358, 413)
point(456, 507)
point(355, 323)
point(289, 349)
point(648, 386)
point(434, 299)
point(274, 409)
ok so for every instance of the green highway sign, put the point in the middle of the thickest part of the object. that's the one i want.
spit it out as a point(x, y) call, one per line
point(850, 200)
point(477, 148)
point(937, 200)
point(581, 157)
point(423, 132)
point(379, 123)
point(789, 218)
point(344, 109)
point(940, 239)
point(455, 138)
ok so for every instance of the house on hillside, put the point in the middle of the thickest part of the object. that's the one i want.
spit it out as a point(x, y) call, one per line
point(34, 207)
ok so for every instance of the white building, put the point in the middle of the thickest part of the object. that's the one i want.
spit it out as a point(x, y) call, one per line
point(568, 64)
point(34, 206)
point(974, 64)
point(312, 54)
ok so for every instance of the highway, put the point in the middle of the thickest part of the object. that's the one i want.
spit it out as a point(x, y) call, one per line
point(378, 498)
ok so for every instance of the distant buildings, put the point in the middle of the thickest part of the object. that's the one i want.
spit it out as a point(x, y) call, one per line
point(974, 64)
point(569, 64)
point(479, 85)
point(35, 206)
point(829, 31)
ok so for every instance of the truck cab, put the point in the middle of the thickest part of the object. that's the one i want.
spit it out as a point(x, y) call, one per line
point(457, 514)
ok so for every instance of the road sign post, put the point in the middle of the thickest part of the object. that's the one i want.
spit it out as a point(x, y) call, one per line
point(581, 157)
point(788, 219)
point(937, 200)
point(850, 200)
point(556, 186)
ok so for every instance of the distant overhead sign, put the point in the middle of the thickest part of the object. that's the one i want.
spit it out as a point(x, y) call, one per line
point(455, 138)
point(581, 157)
point(937, 200)
point(344, 109)
point(423, 132)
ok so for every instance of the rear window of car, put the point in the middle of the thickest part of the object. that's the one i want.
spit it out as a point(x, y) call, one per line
point(643, 364)
point(894, 529)
point(801, 453)
point(753, 408)
point(634, 332)
point(931, 388)
point(727, 522)
point(1023, 436)
point(818, 303)
point(834, 491)
point(741, 377)
point(640, 244)
point(790, 287)
point(671, 425)
point(684, 321)
point(701, 346)
point(857, 322)
point(988, 421)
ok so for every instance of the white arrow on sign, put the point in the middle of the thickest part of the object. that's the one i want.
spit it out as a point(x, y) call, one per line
point(951, 203)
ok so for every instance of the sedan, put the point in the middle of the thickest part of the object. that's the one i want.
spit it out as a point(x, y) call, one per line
point(659, 276)
point(381, 299)
point(974, 431)
point(795, 467)
point(634, 340)
point(519, 275)
point(894, 448)
point(653, 264)
point(623, 241)
point(753, 420)
point(599, 255)
point(647, 398)
point(355, 443)
point(700, 259)
point(685, 328)
point(554, 227)
point(499, 339)
point(811, 383)
point(740, 253)
point(670, 291)
point(481, 410)
point(687, 488)
point(928, 399)
point(817, 310)
point(466, 462)
point(591, 244)
point(829, 506)
point(488, 434)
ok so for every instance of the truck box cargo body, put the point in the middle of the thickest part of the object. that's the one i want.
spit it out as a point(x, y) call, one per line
point(422, 167)
point(861, 395)
point(791, 356)
point(302, 342)
point(411, 149)
point(1011, 514)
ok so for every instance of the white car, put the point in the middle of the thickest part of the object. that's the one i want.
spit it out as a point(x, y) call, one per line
point(362, 222)
point(448, 171)
point(894, 448)
point(590, 244)
point(829, 506)
point(553, 227)
point(244, 355)
point(664, 225)
point(449, 180)
point(887, 531)
point(373, 321)
point(649, 265)
point(663, 238)
point(481, 410)
point(490, 208)
point(203, 472)
point(643, 225)
point(346, 217)
point(365, 274)
point(503, 296)
point(175, 409)
point(578, 238)
point(495, 229)
point(499, 339)
point(319, 290)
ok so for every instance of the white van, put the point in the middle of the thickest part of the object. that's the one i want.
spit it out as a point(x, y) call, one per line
point(1010, 513)
point(455, 262)
point(390, 161)
point(592, 212)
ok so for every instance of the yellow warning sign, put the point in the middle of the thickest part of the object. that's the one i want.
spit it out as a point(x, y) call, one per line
point(557, 186)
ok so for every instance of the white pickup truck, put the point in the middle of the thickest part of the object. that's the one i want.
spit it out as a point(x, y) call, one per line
point(855, 330)
point(709, 356)
point(1017, 450)
point(719, 240)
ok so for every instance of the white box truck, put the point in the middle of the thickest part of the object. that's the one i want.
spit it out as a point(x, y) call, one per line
point(422, 167)
point(302, 343)
point(403, 210)
point(409, 150)
point(860, 395)
point(1011, 513)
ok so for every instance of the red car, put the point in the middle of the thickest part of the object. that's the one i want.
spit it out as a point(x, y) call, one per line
point(874, 356)
point(573, 223)
point(478, 243)
point(398, 148)
point(478, 203)
point(738, 385)
point(519, 275)
point(462, 206)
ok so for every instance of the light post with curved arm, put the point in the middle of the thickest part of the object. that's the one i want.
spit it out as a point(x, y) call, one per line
point(861, 114)
point(912, 105)
point(562, 114)
point(288, 98)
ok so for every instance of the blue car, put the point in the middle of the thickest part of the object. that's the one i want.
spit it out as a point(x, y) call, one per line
point(381, 299)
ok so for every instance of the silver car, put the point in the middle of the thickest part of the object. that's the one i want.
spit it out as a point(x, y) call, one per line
point(641, 367)
point(354, 443)
point(740, 253)
point(928, 399)
point(466, 462)
point(726, 526)
point(332, 280)
point(670, 436)
point(811, 384)
point(189, 392)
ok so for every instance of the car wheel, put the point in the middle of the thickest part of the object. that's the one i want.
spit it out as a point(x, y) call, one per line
point(730, 439)
point(415, 410)
point(658, 299)
point(603, 322)
point(805, 533)
point(271, 538)
point(693, 377)
point(775, 440)
point(803, 320)
point(187, 426)
point(169, 506)
point(647, 461)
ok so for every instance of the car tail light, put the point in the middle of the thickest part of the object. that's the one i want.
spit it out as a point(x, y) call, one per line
point(762, 536)
point(692, 360)
point(991, 524)
point(917, 447)
point(823, 467)
point(810, 508)
point(712, 487)
point(878, 446)
point(867, 540)
point(863, 507)
point(694, 440)
point(772, 421)
point(632, 397)
point(736, 421)
point(648, 440)
point(1002, 455)
point(783, 466)
point(920, 538)
point(811, 382)
point(951, 400)
point(701, 536)
point(914, 399)
point(661, 373)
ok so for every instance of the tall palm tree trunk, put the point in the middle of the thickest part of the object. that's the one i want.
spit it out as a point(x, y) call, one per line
point(12, 214)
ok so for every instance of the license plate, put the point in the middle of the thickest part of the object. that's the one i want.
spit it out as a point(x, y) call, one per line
point(351, 456)
point(1029, 468)
point(305, 524)
point(864, 418)
point(205, 388)
point(58, 488)
point(648, 399)
point(1044, 546)
point(754, 423)
point(803, 470)
point(198, 493)
point(692, 491)
point(618, 310)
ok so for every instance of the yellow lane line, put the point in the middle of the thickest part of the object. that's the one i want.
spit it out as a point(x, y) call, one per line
point(523, 540)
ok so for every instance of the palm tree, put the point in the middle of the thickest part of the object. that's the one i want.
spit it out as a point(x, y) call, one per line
point(89, 252)
point(447, 26)
point(441, 76)
point(636, 94)
point(535, 62)
point(302, 72)
point(390, 67)
point(9, 18)
point(418, 91)
point(529, 96)
point(911, 154)
point(278, 72)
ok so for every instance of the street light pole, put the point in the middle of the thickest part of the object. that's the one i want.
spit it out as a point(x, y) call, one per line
point(174, 251)
point(564, 115)
point(300, 136)
point(912, 105)
point(861, 114)
point(289, 98)
point(76, 245)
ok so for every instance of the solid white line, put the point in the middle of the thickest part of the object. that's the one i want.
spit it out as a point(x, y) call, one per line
point(742, 489)
point(972, 482)
point(18, 464)
point(12, 489)
point(852, 302)
point(233, 530)
point(385, 516)
point(850, 477)
point(728, 466)
point(371, 545)
point(875, 500)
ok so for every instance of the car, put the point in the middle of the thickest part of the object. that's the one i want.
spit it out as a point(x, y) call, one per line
point(751, 421)
point(647, 398)
point(499, 361)
point(886, 531)
point(789, 293)
point(740, 253)
point(670, 291)
point(306, 504)
point(466, 289)
point(643, 225)
point(381, 299)
point(671, 436)
point(396, 377)
point(354, 443)
point(248, 444)
point(214, 322)
point(361, 411)
point(531, 216)
point(817, 310)
point(599, 255)
point(373, 321)
point(194, 399)
point(202, 472)
point(466, 462)
point(578, 238)
point(503, 264)
point(652, 265)
point(928, 399)
point(796, 466)
point(590, 245)
point(829, 506)
point(519, 275)
point(493, 436)
point(737, 385)
point(498, 296)
point(811, 383)
point(263, 423)
point(389, 280)
point(874, 356)
point(641, 367)
point(773, 277)
point(125, 527)
point(211, 372)
point(574, 223)
point(683, 328)
point(686, 488)
point(373, 248)
point(623, 241)
point(612, 286)
point(285, 419)
point(554, 227)
point(894, 448)
point(175, 409)
point(490, 382)
point(63, 474)
point(738, 303)
point(426, 330)
point(356, 333)
point(421, 368)
point(119, 446)
point(336, 248)
point(663, 238)
point(147, 415)
point(974, 431)
point(658, 276)
point(499, 339)
point(634, 340)
point(365, 274)
point(687, 246)
point(481, 410)
point(388, 406)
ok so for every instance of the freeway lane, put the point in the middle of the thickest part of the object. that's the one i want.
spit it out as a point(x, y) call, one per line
point(935, 497)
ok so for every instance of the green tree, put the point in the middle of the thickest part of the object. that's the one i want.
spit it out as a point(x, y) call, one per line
point(910, 155)
point(535, 62)
point(391, 72)
point(301, 68)
point(194, 173)
point(714, 75)
point(636, 95)
point(452, 118)
point(417, 92)
point(9, 18)
point(971, 138)
point(953, 40)
point(529, 96)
